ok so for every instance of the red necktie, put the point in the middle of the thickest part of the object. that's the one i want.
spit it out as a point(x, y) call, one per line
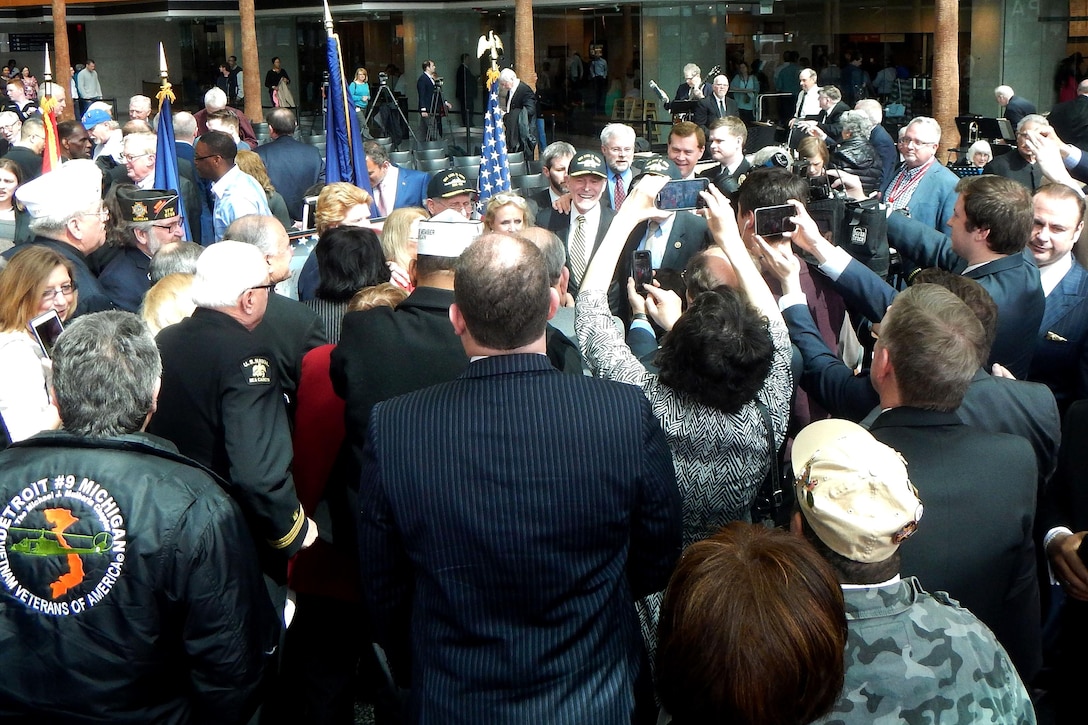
point(621, 193)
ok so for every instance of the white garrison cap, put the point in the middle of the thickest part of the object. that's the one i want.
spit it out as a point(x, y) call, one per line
point(447, 234)
point(76, 186)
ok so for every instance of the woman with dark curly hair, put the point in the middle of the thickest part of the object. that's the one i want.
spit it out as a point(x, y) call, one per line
point(723, 369)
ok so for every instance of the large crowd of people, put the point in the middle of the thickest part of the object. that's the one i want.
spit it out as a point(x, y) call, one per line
point(581, 455)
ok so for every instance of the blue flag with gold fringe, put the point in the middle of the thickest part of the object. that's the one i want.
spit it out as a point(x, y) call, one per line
point(344, 157)
point(166, 157)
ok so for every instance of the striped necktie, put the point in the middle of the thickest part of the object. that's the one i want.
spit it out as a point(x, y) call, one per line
point(578, 249)
point(621, 193)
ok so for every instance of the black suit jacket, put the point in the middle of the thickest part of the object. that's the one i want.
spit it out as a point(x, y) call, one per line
point(501, 567)
point(553, 221)
point(717, 174)
point(1070, 121)
point(999, 405)
point(385, 352)
point(289, 330)
point(1061, 352)
point(1014, 166)
point(974, 539)
point(1018, 108)
point(293, 167)
point(688, 236)
point(707, 110)
point(828, 121)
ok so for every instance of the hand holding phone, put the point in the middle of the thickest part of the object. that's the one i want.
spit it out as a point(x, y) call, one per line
point(772, 221)
point(682, 194)
point(643, 270)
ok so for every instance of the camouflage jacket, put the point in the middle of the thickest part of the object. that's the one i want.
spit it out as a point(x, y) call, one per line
point(912, 656)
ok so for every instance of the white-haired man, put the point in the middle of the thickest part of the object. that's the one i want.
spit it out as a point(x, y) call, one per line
point(139, 108)
point(138, 158)
point(216, 100)
point(618, 149)
point(1015, 106)
point(519, 115)
point(921, 184)
point(67, 215)
point(221, 403)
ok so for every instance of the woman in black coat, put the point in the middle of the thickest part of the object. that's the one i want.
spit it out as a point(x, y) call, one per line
point(855, 154)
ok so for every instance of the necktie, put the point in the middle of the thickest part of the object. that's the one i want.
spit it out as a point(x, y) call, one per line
point(653, 237)
point(380, 201)
point(621, 193)
point(721, 109)
point(578, 249)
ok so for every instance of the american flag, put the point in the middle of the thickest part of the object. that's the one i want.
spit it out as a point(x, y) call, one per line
point(494, 168)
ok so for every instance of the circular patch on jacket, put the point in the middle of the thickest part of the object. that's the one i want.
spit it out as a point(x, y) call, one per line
point(62, 544)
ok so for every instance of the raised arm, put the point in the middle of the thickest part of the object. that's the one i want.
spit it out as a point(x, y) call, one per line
point(722, 222)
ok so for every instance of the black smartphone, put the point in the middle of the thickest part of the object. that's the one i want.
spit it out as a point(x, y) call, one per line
point(682, 194)
point(643, 269)
point(46, 328)
point(771, 221)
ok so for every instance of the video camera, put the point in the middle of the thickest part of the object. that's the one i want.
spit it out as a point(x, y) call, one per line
point(383, 78)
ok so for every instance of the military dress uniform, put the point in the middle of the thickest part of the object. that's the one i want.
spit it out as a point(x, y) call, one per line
point(221, 404)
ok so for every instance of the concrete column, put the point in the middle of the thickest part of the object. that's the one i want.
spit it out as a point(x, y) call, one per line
point(1010, 46)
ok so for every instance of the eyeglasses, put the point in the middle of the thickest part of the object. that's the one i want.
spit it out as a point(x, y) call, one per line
point(907, 141)
point(721, 85)
point(270, 286)
point(201, 158)
point(468, 205)
point(50, 294)
point(133, 157)
point(103, 214)
point(172, 226)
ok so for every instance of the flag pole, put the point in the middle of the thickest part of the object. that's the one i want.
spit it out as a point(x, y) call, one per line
point(48, 106)
point(166, 155)
point(344, 155)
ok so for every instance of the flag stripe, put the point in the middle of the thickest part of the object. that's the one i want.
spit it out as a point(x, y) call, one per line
point(494, 165)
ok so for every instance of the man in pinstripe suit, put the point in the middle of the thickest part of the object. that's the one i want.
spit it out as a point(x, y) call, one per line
point(501, 567)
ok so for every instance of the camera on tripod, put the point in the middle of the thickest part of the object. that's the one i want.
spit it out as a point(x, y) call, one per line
point(383, 78)
point(438, 81)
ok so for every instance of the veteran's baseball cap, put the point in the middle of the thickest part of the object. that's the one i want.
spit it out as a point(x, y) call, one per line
point(853, 490)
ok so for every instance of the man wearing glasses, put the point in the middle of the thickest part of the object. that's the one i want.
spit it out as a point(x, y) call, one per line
point(922, 187)
point(1022, 167)
point(236, 194)
point(149, 219)
point(27, 151)
point(451, 190)
point(717, 105)
point(66, 215)
point(138, 167)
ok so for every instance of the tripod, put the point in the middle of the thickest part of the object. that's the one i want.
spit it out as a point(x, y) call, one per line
point(383, 91)
point(432, 125)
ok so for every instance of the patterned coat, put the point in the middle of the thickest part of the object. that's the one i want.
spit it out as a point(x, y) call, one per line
point(720, 459)
point(912, 656)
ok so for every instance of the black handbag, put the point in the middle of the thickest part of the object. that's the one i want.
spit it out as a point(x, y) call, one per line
point(773, 504)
